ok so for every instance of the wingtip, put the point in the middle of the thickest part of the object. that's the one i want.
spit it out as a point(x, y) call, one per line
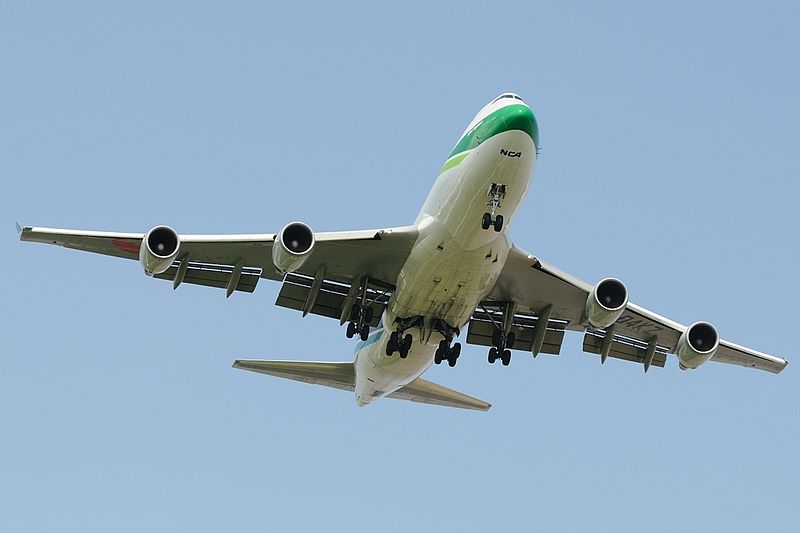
point(19, 230)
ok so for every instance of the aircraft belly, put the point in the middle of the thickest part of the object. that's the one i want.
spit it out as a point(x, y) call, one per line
point(454, 262)
point(443, 281)
point(378, 374)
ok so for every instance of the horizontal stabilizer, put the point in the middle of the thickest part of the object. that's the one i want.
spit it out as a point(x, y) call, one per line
point(336, 375)
point(424, 391)
point(342, 376)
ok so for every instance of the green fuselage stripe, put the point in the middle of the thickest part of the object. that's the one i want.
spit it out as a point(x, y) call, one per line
point(453, 161)
point(512, 117)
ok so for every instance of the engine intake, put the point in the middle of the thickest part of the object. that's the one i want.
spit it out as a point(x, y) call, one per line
point(159, 249)
point(292, 247)
point(606, 302)
point(697, 345)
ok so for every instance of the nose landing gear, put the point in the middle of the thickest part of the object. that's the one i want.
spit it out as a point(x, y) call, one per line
point(497, 192)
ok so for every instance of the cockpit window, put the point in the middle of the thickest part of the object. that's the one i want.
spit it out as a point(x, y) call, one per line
point(507, 95)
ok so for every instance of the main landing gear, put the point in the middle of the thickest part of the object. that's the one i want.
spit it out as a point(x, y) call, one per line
point(360, 318)
point(399, 343)
point(399, 340)
point(448, 353)
point(497, 192)
point(502, 347)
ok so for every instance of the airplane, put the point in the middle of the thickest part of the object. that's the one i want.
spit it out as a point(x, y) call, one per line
point(408, 292)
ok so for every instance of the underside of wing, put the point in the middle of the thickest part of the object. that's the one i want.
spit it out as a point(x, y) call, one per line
point(544, 301)
point(237, 262)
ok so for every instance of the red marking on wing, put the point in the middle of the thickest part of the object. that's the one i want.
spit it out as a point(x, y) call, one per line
point(132, 247)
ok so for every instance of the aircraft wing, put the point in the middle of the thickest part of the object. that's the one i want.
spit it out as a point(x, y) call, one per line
point(214, 260)
point(539, 289)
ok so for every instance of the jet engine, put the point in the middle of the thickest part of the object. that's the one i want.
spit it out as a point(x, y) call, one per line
point(159, 249)
point(292, 247)
point(606, 302)
point(697, 345)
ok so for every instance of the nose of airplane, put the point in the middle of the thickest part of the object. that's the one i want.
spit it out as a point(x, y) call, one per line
point(514, 114)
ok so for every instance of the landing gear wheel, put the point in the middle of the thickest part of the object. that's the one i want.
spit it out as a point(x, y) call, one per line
point(354, 312)
point(498, 223)
point(492, 355)
point(506, 357)
point(454, 352)
point(457, 349)
point(364, 332)
point(438, 357)
point(486, 221)
point(510, 338)
point(369, 313)
point(391, 344)
point(351, 330)
point(405, 346)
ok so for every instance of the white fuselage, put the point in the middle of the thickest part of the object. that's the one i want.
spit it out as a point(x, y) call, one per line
point(454, 262)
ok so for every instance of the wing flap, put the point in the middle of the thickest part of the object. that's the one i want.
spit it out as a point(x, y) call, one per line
point(217, 276)
point(331, 298)
point(481, 329)
point(622, 348)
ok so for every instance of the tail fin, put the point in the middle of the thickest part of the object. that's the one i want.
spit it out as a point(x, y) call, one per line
point(342, 376)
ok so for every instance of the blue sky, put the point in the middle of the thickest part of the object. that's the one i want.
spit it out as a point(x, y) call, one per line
point(669, 140)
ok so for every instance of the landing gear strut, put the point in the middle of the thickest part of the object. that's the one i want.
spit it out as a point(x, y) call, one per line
point(502, 348)
point(361, 315)
point(360, 318)
point(497, 192)
point(502, 337)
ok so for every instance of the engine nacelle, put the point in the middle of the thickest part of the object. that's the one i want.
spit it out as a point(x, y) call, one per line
point(606, 302)
point(697, 345)
point(159, 249)
point(292, 247)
